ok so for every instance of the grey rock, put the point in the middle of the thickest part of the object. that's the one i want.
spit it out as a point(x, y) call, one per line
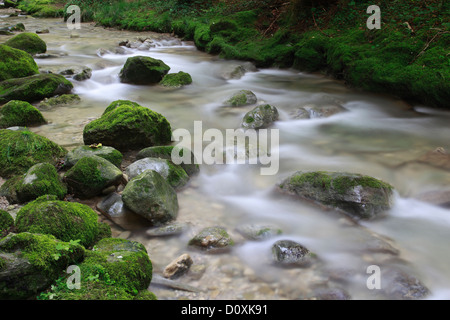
point(260, 117)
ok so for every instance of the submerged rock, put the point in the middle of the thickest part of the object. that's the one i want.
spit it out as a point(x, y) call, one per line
point(16, 63)
point(143, 70)
point(359, 196)
point(30, 263)
point(170, 229)
point(91, 175)
point(152, 197)
point(28, 42)
point(398, 285)
point(126, 125)
point(20, 113)
point(241, 98)
point(212, 239)
point(260, 117)
point(314, 111)
point(287, 252)
point(34, 88)
point(64, 99)
point(258, 232)
point(178, 267)
point(83, 75)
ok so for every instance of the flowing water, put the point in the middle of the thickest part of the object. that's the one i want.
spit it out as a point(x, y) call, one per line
point(377, 136)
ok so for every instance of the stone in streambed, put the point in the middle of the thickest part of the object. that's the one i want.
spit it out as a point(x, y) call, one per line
point(109, 153)
point(64, 99)
point(152, 197)
point(212, 239)
point(176, 80)
point(91, 175)
point(241, 98)
point(143, 70)
point(258, 232)
point(260, 117)
point(288, 252)
point(20, 113)
point(314, 111)
point(28, 42)
point(178, 267)
point(359, 196)
point(16, 63)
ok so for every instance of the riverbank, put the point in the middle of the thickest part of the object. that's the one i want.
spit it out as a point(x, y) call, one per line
point(408, 57)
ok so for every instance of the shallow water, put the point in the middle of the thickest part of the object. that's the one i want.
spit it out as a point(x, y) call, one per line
point(379, 136)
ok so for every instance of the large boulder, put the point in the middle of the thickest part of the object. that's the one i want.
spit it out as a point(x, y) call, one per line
point(359, 196)
point(143, 70)
point(260, 117)
point(41, 179)
point(28, 42)
point(20, 150)
point(16, 63)
point(64, 220)
point(109, 153)
point(34, 88)
point(126, 125)
point(165, 152)
point(20, 113)
point(175, 175)
point(91, 175)
point(152, 197)
point(30, 263)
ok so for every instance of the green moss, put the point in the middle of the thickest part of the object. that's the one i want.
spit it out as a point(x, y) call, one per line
point(60, 100)
point(118, 103)
point(16, 63)
point(20, 113)
point(64, 220)
point(20, 150)
point(176, 80)
point(28, 42)
point(42, 8)
point(88, 171)
point(6, 222)
point(108, 153)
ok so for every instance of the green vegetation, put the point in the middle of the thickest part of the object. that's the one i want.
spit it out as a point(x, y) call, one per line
point(28, 42)
point(176, 80)
point(20, 113)
point(16, 63)
point(408, 57)
point(42, 8)
point(6, 223)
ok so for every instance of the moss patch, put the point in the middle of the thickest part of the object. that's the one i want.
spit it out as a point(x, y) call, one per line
point(16, 63)
point(176, 80)
point(28, 42)
point(20, 113)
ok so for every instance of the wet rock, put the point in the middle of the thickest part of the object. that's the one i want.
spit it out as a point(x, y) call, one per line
point(109, 153)
point(83, 75)
point(438, 158)
point(331, 294)
point(178, 267)
point(16, 63)
point(45, 56)
point(175, 175)
point(20, 113)
point(152, 197)
point(260, 117)
point(212, 239)
point(40, 31)
point(401, 286)
point(241, 98)
point(91, 175)
point(258, 232)
point(64, 99)
point(28, 42)
point(359, 196)
point(314, 111)
point(437, 197)
point(287, 252)
point(171, 229)
point(176, 80)
point(143, 70)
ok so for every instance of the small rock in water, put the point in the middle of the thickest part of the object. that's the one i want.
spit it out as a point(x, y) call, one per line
point(258, 232)
point(178, 267)
point(212, 239)
point(171, 229)
point(39, 31)
point(289, 252)
point(332, 294)
point(402, 286)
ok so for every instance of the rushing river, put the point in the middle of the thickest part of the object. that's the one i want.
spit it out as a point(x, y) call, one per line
point(377, 136)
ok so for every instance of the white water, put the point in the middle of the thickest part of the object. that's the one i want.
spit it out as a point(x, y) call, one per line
point(375, 136)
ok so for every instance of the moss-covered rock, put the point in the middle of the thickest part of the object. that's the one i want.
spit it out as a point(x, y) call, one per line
point(83, 75)
point(20, 113)
point(212, 239)
point(28, 42)
point(241, 98)
point(41, 179)
point(20, 150)
point(34, 88)
point(32, 262)
point(143, 70)
point(128, 126)
point(6, 223)
point(359, 196)
point(64, 220)
point(16, 63)
point(109, 153)
point(64, 99)
point(165, 152)
point(175, 175)
point(91, 175)
point(176, 80)
point(152, 197)
point(260, 117)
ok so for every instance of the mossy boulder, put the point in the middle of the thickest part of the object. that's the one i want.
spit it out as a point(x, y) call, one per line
point(359, 196)
point(91, 175)
point(30, 263)
point(28, 42)
point(212, 239)
point(241, 98)
point(127, 125)
point(16, 63)
point(166, 152)
point(175, 175)
point(143, 70)
point(64, 99)
point(115, 269)
point(176, 80)
point(20, 113)
point(260, 117)
point(152, 197)
point(20, 150)
point(41, 179)
point(34, 88)
point(6, 223)
point(64, 220)
point(109, 153)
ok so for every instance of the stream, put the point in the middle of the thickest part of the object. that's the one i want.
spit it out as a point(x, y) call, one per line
point(378, 135)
